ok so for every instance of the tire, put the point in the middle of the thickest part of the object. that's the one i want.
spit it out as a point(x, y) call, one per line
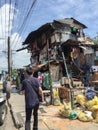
point(3, 112)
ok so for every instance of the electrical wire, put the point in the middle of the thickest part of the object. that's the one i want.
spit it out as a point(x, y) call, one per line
point(13, 13)
point(1, 21)
point(26, 18)
point(24, 22)
point(29, 22)
point(2, 30)
point(9, 21)
point(5, 26)
point(24, 9)
point(21, 17)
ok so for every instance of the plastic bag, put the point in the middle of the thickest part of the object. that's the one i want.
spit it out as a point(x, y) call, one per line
point(81, 99)
point(73, 114)
point(57, 102)
point(84, 116)
point(90, 93)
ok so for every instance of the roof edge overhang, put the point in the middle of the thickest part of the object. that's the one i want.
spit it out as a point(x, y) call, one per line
point(76, 21)
point(23, 48)
point(37, 33)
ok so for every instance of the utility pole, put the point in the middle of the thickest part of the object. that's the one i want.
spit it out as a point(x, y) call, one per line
point(9, 57)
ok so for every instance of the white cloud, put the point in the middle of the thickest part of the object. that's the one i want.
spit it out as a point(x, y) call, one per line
point(4, 22)
point(19, 59)
point(85, 11)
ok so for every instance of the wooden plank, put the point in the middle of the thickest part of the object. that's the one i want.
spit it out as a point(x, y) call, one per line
point(51, 125)
point(42, 125)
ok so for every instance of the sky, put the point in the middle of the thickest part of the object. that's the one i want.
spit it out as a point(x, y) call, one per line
point(20, 17)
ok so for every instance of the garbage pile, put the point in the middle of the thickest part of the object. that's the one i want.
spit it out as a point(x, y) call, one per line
point(85, 107)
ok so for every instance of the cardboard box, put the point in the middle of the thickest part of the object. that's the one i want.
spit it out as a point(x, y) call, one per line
point(64, 93)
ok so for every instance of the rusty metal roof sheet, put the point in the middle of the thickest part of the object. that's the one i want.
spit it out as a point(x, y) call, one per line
point(50, 26)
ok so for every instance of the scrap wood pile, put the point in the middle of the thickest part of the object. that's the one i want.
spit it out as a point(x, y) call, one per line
point(85, 107)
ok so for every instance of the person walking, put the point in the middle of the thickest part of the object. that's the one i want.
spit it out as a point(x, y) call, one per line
point(31, 88)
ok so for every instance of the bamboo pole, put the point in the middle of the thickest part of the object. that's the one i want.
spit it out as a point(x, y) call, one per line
point(70, 86)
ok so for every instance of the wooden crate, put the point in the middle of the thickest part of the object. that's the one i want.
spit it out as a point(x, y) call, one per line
point(64, 93)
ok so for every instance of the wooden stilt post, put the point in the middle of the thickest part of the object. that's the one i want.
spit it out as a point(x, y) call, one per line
point(50, 78)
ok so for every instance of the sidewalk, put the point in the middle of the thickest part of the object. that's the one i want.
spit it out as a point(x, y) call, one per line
point(49, 119)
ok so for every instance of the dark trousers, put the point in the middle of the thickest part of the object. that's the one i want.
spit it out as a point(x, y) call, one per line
point(28, 117)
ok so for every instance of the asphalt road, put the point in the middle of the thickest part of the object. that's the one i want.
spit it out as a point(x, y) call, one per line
point(8, 124)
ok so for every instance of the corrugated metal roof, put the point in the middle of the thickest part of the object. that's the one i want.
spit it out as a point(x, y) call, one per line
point(71, 21)
point(51, 26)
point(34, 34)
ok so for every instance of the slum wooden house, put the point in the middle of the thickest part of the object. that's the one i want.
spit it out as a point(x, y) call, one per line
point(47, 43)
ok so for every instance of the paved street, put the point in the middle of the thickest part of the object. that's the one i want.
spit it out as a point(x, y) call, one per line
point(55, 41)
point(49, 118)
point(8, 124)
